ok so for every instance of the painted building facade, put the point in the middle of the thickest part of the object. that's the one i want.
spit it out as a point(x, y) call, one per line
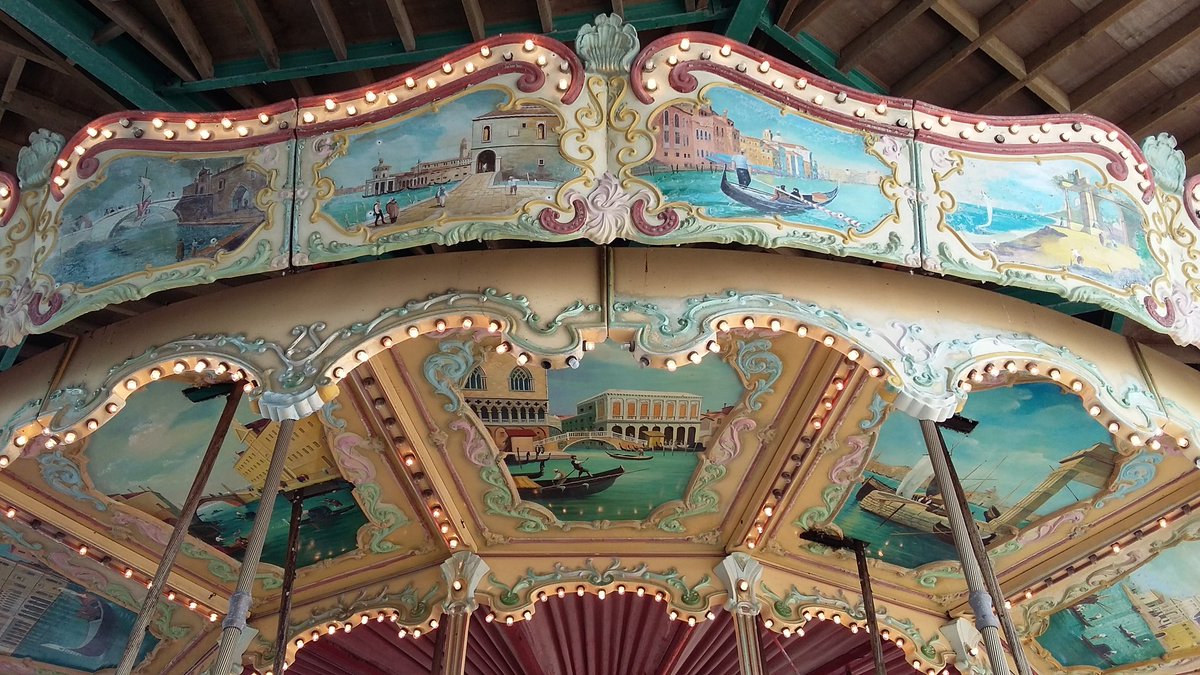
point(670, 419)
point(422, 174)
point(26, 593)
point(309, 460)
point(520, 143)
point(512, 401)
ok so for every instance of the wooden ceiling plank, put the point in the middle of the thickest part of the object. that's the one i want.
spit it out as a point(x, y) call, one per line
point(1191, 151)
point(965, 23)
point(802, 13)
point(47, 113)
point(185, 31)
point(546, 13)
point(403, 24)
point(333, 29)
point(21, 51)
point(10, 84)
point(474, 18)
point(141, 30)
point(365, 77)
point(109, 31)
point(9, 151)
point(1147, 119)
point(260, 30)
point(618, 7)
point(1137, 62)
point(959, 48)
point(247, 97)
point(303, 87)
point(904, 13)
point(60, 64)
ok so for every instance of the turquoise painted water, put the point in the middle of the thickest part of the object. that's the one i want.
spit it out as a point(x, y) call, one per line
point(319, 540)
point(93, 263)
point(644, 486)
point(81, 631)
point(1109, 610)
point(889, 540)
point(864, 203)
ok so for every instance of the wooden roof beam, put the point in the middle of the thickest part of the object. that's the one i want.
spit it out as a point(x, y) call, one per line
point(1146, 121)
point(1137, 62)
point(961, 47)
point(146, 35)
point(20, 51)
point(247, 97)
point(333, 29)
point(546, 13)
point(47, 114)
point(965, 23)
point(60, 64)
point(256, 22)
point(475, 17)
point(798, 14)
point(108, 32)
point(896, 19)
point(10, 84)
point(403, 24)
point(1191, 152)
point(188, 36)
point(1094, 22)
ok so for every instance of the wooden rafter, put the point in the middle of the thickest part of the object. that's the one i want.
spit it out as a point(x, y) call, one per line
point(474, 18)
point(546, 13)
point(247, 97)
point(961, 47)
point(965, 23)
point(403, 24)
point(1137, 62)
point(256, 22)
point(618, 7)
point(1191, 150)
point(108, 32)
point(10, 84)
point(188, 36)
point(1146, 121)
point(798, 14)
point(896, 19)
point(11, 47)
point(146, 35)
point(46, 113)
point(1094, 22)
point(60, 64)
point(333, 29)
point(302, 87)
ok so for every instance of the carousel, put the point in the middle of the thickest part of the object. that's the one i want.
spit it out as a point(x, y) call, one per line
point(705, 372)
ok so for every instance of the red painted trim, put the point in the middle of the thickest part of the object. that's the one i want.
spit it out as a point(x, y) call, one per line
point(549, 221)
point(14, 197)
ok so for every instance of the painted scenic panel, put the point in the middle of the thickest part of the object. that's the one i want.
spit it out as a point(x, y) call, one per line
point(1035, 451)
point(477, 156)
point(147, 456)
point(737, 156)
point(47, 618)
point(1059, 214)
point(1152, 612)
point(145, 212)
point(608, 440)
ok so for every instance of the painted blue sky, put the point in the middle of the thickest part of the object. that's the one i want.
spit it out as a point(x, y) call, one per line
point(1023, 432)
point(427, 137)
point(832, 148)
point(611, 367)
point(157, 442)
point(120, 187)
point(1173, 572)
point(1025, 186)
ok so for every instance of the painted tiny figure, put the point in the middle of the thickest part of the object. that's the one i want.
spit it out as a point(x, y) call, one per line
point(578, 466)
point(441, 197)
point(393, 210)
point(512, 185)
point(378, 211)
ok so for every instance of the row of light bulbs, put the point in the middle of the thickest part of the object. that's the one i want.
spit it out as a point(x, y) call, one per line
point(83, 549)
point(1034, 369)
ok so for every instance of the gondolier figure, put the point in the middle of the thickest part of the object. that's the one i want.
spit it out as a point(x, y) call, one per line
point(578, 466)
point(742, 167)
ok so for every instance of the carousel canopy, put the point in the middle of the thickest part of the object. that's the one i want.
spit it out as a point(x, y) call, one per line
point(518, 356)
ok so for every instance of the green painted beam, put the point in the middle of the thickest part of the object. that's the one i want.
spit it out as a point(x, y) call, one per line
point(68, 26)
point(818, 57)
point(748, 15)
point(654, 15)
point(8, 356)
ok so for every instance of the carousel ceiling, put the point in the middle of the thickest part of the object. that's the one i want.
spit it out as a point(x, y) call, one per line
point(620, 446)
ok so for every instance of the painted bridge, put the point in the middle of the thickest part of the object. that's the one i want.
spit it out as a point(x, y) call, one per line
point(562, 441)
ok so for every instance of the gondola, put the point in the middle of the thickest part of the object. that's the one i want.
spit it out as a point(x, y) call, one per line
point(569, 488)
point(319, 515)
point(774, 202)
point(623, 456)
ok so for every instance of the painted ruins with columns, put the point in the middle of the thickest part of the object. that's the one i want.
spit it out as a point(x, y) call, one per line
point(481, 432)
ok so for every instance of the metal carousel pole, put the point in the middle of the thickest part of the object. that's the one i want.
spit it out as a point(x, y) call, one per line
point(239, 602)
point(980, 599)
point(233, 396)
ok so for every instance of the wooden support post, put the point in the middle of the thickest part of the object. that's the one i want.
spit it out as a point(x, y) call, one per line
point(137, 633)
point(864, 578)
point(289, 578)
point(740, 574)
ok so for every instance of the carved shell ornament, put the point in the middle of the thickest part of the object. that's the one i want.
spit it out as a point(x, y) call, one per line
point(34, 161)
point(609, 46)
